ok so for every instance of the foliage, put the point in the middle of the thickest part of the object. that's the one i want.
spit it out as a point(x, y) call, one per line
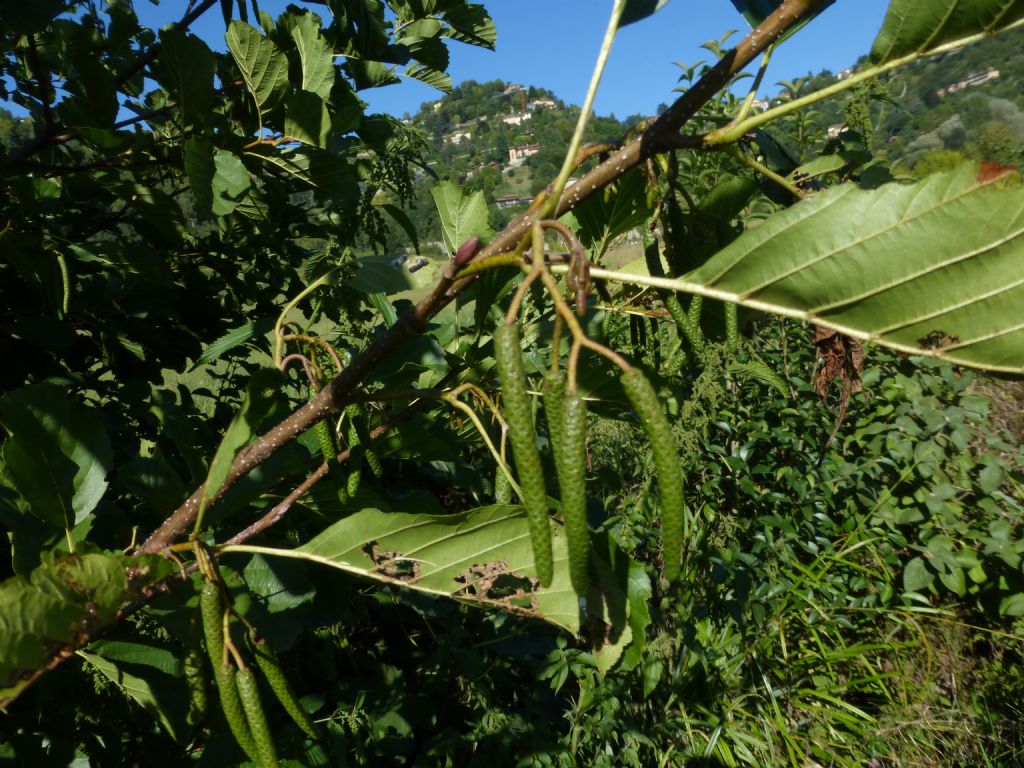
point(208, 345)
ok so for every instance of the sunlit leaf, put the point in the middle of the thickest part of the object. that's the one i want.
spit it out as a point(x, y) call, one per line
point(481, 557)
point(471, 24)
point(241, 430)
point(463, 214)
point(234, 338)
point(932, 268)
point(64, 599)
point(263, 65)
point(918, 26)
point(230, 182)
point(316, 55)
point(307, 119)
point(58, 454)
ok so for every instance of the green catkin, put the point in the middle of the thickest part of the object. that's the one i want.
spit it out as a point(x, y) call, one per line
point(248, 692)
point(324, 433)
point(322, 430)
point(373, 461)
point(355, 474)
point(666, 464)
point(554, 396)
point(696, 305)
point(691, 324)
point(572, 466)
point(502, 487)
point(282, 689)
point(359, 420)
point(508, 355)
point(195, 675)
point(732, 330)
point(211, 608)
point(690, 332)
point(355, 455)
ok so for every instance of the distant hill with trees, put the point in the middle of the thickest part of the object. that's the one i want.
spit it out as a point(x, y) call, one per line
point(931, 114)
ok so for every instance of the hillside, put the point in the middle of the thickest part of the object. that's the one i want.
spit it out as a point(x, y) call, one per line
point(504, 139)
point(914, 119)
point(968, 103)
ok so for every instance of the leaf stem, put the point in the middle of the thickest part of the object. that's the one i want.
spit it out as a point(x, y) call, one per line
point(454, 402)
point(278, 336)
point(734, 132)
point(569, 163)
point(765, 171)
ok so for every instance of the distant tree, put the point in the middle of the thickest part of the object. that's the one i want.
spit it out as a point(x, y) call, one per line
point(996, 142)
point(937, 161)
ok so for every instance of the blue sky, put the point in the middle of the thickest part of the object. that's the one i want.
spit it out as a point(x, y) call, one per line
point(553, 43)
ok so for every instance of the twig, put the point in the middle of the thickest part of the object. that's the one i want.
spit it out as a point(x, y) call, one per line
point(339, 392)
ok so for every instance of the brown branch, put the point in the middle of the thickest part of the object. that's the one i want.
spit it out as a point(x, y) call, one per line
point(331, 399)
point(339, 392)
point(280, 509)
point(277, 513)
point(663, 133)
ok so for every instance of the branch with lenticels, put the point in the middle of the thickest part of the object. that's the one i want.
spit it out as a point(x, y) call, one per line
point(661, 136)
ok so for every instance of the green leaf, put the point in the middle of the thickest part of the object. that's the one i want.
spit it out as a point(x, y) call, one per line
point(307, 119)
point(263, 65)
point(403, 220)
point(916, 575)
point(471, 24)
point(1012, 605)
point(463, 214)
point(234, 338)
point(432, 77)
point(919, 26)
point(58, 455)
point(931, 268)
point(369, 74)
point(315, 55)
point(379, 301)
point(200, 169)
point(758, 371)
point(241, 430)
point(151, 676)
point(185, 68)
point(990, 478)
point(481, 557)
point(317, 168)
point(280, 593)
point(601, 218)
point(636, 10)
point(63, 601)
point(728, 198)
point(378, 273)
point(230, 182)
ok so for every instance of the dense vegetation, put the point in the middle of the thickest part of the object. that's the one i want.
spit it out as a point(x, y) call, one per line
point(234, 430)
point(910, 121)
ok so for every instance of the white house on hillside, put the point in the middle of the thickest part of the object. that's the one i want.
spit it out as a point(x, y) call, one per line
point(515, 119)
point(516, 155)
point(969, 82)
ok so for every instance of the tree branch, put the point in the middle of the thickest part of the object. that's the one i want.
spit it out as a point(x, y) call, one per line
point(659, 137)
